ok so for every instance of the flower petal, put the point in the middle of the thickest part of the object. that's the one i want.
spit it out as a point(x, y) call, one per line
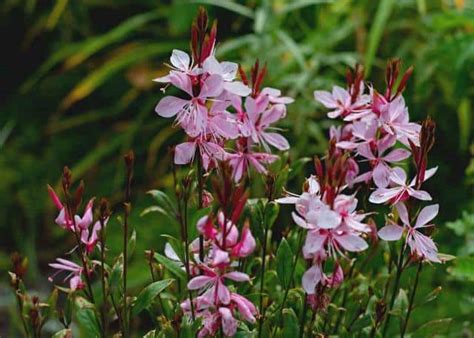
point(391, 232)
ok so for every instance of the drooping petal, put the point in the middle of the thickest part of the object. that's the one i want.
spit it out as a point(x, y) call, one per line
point(184, 153)
point(223, 293)
point(403, 212)
point(419, 194)
point(237, 88)
point(311, 278)
point(229, 323)
point(381, 175)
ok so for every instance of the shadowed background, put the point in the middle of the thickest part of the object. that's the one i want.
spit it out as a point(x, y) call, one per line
point(76, 90)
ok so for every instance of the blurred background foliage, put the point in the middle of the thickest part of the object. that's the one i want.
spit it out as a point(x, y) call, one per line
point(77, 91)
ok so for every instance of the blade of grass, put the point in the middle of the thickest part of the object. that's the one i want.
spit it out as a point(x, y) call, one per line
point(384, 10)
point(229, 5)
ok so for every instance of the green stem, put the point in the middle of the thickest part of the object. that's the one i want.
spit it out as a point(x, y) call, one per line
point(412, 298)
point(303, 316)
point(262, 279)
point(102, 263)
point(395, 289)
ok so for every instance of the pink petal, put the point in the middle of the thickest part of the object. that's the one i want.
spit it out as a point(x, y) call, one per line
point(211, 87)
point(311, 278)
point(229, 323)
point(180, 60)
point(276, 140)
point(170, 106)
point(398, 176)
point(223, 293)
point(383, 195)
point(314, 242)
point(381, 175)
point(199, 282)
point(426, 214)
point(391, 232)
point(237, 276)
point(403, 213)
point(325, 98)
point(184, 153)
point(419, 194)
point(352, 242)
point(237, 88)
point(301, 222)
point(397, 155)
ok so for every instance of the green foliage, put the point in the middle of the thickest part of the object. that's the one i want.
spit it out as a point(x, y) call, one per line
point(77, 91)
point(146, 297)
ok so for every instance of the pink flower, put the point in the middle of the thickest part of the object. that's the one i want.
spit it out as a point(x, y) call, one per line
point(400, 190)
point(246, 245)
point(315, 275)
point(346, 205)
point(228, 72)
point(420, 244)
point(274, 96)
point(241, 161)
point(210, 152)
point(381, 169)
point(341, 103)
point(215, 291)
point(65, 221)
point(191, 113)
point(394, 119)
point(75, 282)
point(257, 123)
point(91, 238)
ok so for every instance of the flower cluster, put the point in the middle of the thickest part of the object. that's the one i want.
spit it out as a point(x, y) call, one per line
point(224, 245)
point(331, 220)
point(378, 131)
point(212, 92)
point(86, 232)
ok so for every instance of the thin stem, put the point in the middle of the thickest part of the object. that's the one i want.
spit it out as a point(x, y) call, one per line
point(186, 251)
point(262, 279)
point(395, 289)
point(20, 308)
point(303, 316)
point(184, 234)
point(102, 264)
point(344, 300)
point(200, 176)
point(412, 298)
point(129, 162)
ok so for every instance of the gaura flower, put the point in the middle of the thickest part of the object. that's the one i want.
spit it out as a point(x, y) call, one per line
point(400, 190)
point(341, 103)
point(74, 276)
point(420, 244)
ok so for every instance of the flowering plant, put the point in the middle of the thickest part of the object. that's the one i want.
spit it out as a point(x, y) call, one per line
point(234, 271)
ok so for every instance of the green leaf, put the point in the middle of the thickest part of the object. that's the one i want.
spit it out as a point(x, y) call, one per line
point(150, 334)
point(163, 201)
point(65, 333)
point(291, 328)
point(361, 323)
point(132, 55)
point(172, 266)
point(295, 5)
point(52, 301)
point(86, 317)
point(446, 257)
point(464, 117)
point(433, 328)
point(116, 274)
point(384, 10)
point(292, 47)
point(463, 269)
point(284, 263)
point(401, 303)
point(148, 295)
point(229, 5)
point(431, 296)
